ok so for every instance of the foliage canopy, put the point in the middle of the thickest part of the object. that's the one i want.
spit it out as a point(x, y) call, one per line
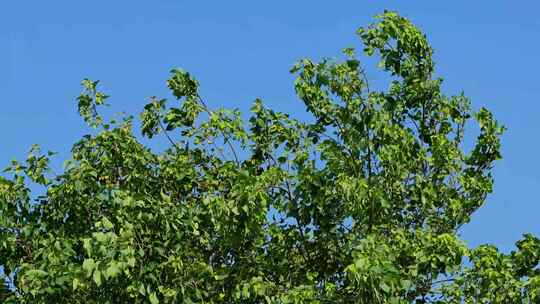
point(362, 205)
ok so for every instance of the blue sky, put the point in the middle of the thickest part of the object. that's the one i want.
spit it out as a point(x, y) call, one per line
point(241, 50)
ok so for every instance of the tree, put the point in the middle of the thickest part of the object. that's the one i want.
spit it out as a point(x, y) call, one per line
point(360, 206)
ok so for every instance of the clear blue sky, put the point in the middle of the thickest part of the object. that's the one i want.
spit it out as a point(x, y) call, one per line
point(241, 50)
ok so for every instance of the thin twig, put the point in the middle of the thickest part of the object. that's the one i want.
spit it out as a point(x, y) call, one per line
point(225, 137)
point(363, 73)
point(167, 135)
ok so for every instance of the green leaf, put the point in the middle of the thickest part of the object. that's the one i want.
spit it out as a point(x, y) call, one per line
point(89, 265)
point(97, 277)
point(221, 277)
point(112, 271)
point(153, 298)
